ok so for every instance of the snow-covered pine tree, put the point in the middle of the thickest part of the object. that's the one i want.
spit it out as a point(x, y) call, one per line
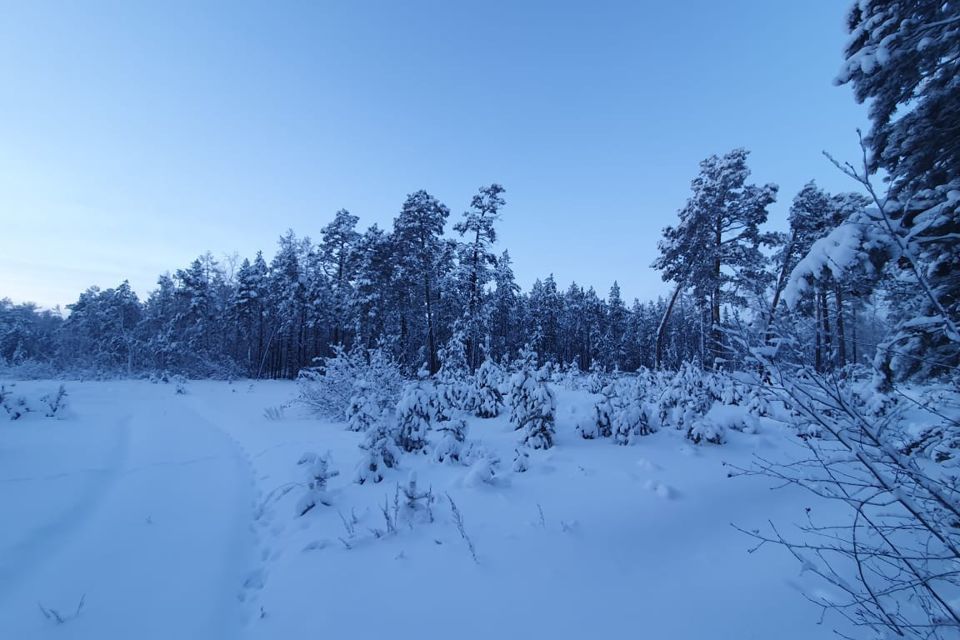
point(532, 404)
point(485, 397)
point(382, 453)
point(452, 436)
point(365, 409)
point(630, 420)
point(600, 424)
point(758, 405)
point(476, 261)
point(415, 412)
point(420, 255)
point(715, 249)
point(597, 379)
point(904, 58)
point(453, 380)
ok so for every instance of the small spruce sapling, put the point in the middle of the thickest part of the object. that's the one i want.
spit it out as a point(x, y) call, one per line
point(485, 399)
point(382, 453)
point(318, 471)
point(363, 411)
point(414, 413)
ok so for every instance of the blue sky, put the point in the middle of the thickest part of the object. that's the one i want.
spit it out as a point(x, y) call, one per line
point(135, 136)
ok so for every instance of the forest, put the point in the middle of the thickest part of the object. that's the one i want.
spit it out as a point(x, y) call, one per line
point(821, 359)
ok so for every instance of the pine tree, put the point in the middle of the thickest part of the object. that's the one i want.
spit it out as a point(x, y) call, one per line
point(630, 419)
point(364, 411)
point(486, 400)
point(532, 404)
point(504, 309)
point(904, 57)
point(715, 249)
point(381, 453)
point(417, 237)
point(415, 414)
point(476, 261)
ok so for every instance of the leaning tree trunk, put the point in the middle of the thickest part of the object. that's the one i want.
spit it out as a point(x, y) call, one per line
point(662, 329)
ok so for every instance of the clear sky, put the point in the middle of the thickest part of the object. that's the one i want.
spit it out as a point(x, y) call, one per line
point(135, 136)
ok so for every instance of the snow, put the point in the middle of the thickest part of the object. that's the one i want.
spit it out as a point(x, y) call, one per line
point(175, 516)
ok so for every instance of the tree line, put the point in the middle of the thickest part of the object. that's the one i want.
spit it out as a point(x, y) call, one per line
point(871, 276)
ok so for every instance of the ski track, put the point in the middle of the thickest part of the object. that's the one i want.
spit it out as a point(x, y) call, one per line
point(162, 526)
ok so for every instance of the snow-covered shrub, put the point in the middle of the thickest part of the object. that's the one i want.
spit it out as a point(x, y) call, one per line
point(415, 411)
point(597, 378)
point(521, 461)
point(452, 437)
point(572, 377)
point(453, 380)
point(483, 468)
point(630, 419)
point(532, 405)
point(417, 503)
point(56, 402)
point(687, 398)
point(704, 429)
point(318, 471)
point(485, 399)
point(364, 409)
point(179, 384)
point(600, 422)
point(730, 392)
point(758, 404)
point(327, 389)
point(382, 453)
point(14, 407)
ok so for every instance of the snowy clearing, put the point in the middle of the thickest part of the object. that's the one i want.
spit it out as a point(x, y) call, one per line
point(176, 516)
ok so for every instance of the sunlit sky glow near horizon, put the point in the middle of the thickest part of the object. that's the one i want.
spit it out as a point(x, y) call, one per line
point(136, 136)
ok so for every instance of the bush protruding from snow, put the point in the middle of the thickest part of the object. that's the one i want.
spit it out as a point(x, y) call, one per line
point(382, 453)
point(56, 402)
point(758, 405)
point(707, 429)
point(414, 414)
point(521, 461)
point(416, 502)
point(179, 384)
point(453, 435)
point(601, 422)
point(483, 469)
point(318, 471)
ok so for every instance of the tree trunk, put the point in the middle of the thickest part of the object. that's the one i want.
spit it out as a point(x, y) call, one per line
point(662, 329)
point(825, 320)
point(841, 338)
